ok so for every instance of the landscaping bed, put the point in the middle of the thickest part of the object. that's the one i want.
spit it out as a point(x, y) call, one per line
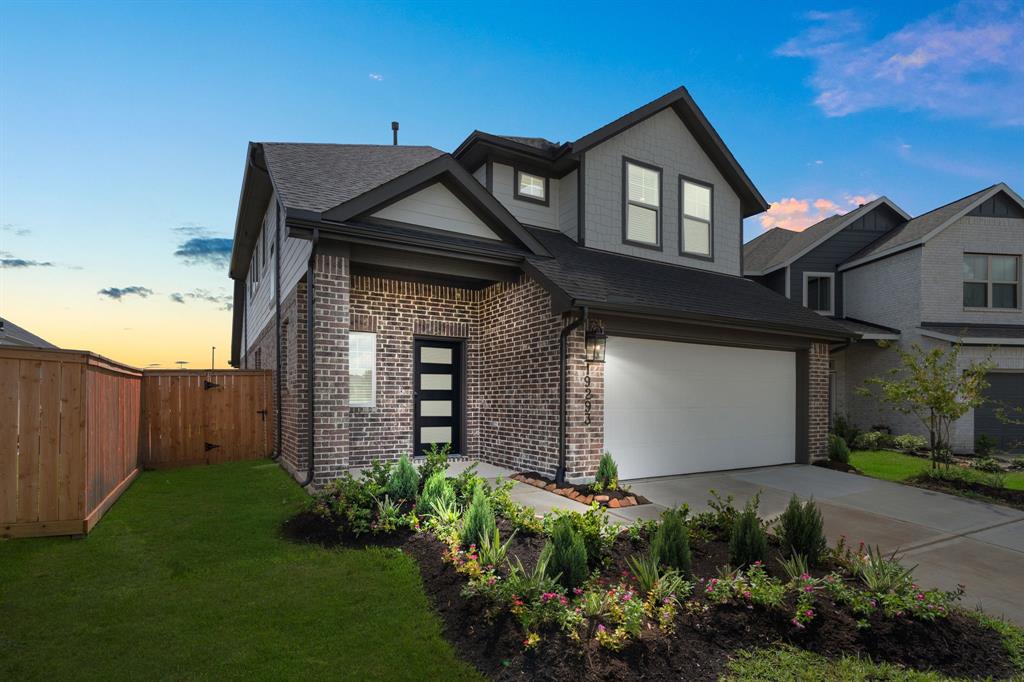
point(582, 493)
point(574, 595)
point(969, 488)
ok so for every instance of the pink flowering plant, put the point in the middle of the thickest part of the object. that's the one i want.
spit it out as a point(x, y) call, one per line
point(752, 587)
point(806, 588)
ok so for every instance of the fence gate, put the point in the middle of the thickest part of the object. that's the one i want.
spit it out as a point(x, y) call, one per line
point(205, 417)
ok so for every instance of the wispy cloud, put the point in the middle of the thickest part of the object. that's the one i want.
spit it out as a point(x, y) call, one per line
point(223, 301)
point(9, 260)
point(797, 214)
point(192, 230)
point(118, 293)
point(964, 61)
point(214, 251)
point(15, 229)
point(376, 77)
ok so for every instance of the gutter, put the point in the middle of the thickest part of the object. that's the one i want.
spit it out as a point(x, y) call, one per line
point(277, 316)
point(563, 349)
point(310, 358)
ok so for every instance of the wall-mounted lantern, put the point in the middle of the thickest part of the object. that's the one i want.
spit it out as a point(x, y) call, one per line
point(596, 341)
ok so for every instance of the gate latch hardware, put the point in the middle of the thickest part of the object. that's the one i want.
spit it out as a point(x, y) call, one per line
point(262, 414)
point(207, 385)
point(210, 446)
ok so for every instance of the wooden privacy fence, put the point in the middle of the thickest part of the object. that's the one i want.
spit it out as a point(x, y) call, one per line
point(69, 434)
point(205, 417)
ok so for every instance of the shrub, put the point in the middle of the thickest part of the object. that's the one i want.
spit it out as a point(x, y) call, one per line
point(568, 557)
point(845, 429)
point(389, 516)
point(436, 460)
point(347, 504)
point(748, 542)
point(465, 483)
point(989, 465)
point(800, 530)
point(593, 526)
point(795, 567)
point(492, 550)
point(607, 477)
point(671, 544)
point(908, 442)
point(838, 451)
point(882, 574)
point(404, 482)
point(436, 488)
point(873, 440)
point(479, 519)
point(1017, 463)
point(984, 444)
point(378, 475)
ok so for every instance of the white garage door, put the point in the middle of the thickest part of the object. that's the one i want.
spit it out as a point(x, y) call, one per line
point(676, 408)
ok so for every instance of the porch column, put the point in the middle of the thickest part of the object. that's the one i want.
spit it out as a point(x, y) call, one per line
point(331, 294)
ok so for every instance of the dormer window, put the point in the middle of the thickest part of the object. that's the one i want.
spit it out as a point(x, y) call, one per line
point(531, 187)
point(641, 204)
point(819, 292)
point(695, 216)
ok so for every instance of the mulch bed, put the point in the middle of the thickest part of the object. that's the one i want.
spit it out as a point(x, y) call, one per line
point(1011, 498)
point(584, 494)
point(703, 643)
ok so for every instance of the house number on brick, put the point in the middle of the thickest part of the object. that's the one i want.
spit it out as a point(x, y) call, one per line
point(586, 397)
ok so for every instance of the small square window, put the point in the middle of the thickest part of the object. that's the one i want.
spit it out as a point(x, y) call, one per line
point(531, 187)
point(362, 369)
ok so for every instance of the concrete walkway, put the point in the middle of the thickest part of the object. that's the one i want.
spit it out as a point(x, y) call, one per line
point(952, 540)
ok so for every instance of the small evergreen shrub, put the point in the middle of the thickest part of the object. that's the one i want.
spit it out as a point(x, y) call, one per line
point(436, 460)
point(984, 444)
point(748, 542)
point(436, 488)
point(838, 451)
point(568, 555)
point(908, 442)
point(872, 440)
point(607, 477)
point(801, 530)
point(405, 481)
point(671, 543)
point(989, 465)
point(845, 429)
point(479, 519)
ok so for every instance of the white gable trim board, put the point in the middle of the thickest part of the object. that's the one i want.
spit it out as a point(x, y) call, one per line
point(435, 206)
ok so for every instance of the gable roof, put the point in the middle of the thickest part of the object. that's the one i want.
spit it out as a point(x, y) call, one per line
point(760, 259)
point(759, 251)
point(679, 100)
point(605, 280)
point(918, 230)
point(13, 335)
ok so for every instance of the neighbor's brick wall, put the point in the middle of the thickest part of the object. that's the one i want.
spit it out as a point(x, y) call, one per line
point(817, 384)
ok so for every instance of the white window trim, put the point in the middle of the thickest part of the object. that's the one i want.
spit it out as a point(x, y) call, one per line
point(373, 373)
point(831, 276)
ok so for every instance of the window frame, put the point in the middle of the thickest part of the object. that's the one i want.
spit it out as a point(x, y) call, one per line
point(710, 256)
point(831, 276)
point(373, 371)
point(626, 203)
point(988, 282)
point(516, 172)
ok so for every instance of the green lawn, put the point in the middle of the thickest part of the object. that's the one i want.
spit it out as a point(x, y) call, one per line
point(187, 578)
point(895, 466)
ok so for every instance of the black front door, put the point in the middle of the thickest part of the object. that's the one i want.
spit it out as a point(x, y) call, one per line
point(437, 394)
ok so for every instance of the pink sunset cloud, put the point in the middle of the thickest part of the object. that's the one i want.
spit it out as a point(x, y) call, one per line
point(792, 213)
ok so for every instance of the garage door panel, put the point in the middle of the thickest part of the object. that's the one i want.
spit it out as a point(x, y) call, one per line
point(680, 408)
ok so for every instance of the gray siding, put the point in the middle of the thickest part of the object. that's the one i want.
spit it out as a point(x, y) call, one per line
point(526, 212)
point(942, 268)
point(999, 206)
point(662, 140)
point(828, 255)
point(259, 306)
point(436, 207)
point(568, 204)
point(887, 291)
point(776, 281)
point(481, 174)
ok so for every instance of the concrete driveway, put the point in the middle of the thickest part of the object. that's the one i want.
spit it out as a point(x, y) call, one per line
point(952, 540)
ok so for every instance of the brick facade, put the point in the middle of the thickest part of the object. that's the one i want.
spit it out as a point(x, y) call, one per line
point(817, 404)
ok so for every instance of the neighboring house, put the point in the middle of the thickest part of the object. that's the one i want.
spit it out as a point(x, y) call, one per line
point(13, 335)
point(952, 275)
point(447, 297)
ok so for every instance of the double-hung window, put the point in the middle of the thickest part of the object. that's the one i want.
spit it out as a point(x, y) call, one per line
point(362, 369)
point(695, 216)
point(819, 292)
point(991, 281)
point(641, 204)
point(531, 187)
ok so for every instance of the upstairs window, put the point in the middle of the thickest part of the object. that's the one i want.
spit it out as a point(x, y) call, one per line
point(362, 369)
point(641, 204)
point(530, 187)
point(695, 214)
point(991, 281)
point(818, 292)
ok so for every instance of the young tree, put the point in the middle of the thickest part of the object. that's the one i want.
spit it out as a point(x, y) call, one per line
point(929, 385)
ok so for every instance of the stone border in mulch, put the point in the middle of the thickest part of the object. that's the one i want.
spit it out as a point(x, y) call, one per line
point(614, 499)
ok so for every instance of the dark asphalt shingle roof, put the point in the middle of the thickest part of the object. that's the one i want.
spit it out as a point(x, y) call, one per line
point(759, 252)
point(318, 177)
point(862, 327)
point(544, 145)
point(598, 277)
point(917, 228)
point(977, 331)
point(13, 335)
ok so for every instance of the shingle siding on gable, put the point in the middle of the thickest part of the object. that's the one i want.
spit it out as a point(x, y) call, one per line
point(942, 267)
point(526, 212)
point(838, 248)
point(568, 204)
point(662, 140)
point(999, 206)
point(435, 206)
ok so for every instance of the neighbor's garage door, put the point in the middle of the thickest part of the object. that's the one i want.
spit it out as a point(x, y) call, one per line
point(675, 408)
point(1005, 389)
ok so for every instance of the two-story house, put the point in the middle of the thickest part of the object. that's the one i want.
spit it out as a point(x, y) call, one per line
point(532, 303)
point(949, 276)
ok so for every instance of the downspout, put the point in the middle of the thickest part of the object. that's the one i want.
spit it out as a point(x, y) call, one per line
point(277, 305)
point(563, 390)
point(310, 358)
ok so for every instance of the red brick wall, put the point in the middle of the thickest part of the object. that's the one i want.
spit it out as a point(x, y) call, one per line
point(817, 385)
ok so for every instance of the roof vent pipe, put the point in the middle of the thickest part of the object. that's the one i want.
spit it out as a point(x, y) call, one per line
point(394, 132)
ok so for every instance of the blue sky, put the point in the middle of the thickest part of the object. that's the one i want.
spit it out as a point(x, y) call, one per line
point(123, 126)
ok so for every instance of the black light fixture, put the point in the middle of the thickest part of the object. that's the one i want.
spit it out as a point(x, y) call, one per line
point(596, 341)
